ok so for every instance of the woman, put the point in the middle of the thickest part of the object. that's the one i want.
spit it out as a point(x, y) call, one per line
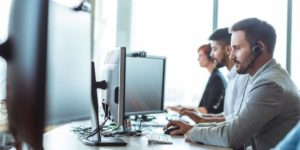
point(212, 100)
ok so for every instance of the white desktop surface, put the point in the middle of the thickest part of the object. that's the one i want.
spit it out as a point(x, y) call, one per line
point(62, 138)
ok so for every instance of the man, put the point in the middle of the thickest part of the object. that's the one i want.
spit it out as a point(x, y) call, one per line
point(272, 106)
point(220, 42)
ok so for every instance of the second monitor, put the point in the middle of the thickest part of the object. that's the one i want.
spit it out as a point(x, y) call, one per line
point(144, 85)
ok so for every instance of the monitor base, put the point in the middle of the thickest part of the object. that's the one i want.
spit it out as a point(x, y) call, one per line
point(105, 141)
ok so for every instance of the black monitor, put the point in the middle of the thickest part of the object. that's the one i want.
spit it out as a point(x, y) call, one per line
point(144, 85)
point(49, 68)
point(26, 54)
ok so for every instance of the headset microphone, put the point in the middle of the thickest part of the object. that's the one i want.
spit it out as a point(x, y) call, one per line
point(250, 64)
point(256, 51)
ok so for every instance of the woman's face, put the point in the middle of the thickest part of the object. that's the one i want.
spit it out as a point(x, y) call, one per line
point(203, 59)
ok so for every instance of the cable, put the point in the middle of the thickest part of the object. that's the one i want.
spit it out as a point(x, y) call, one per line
point(97, 129)
point(81, 132)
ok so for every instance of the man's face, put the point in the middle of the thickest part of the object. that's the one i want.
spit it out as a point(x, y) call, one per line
point(241, 53)
point(218, 53)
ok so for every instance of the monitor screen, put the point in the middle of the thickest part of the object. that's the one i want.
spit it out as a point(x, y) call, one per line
point(144, 86)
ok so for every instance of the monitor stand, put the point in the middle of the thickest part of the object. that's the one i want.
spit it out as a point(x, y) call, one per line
point(97, 140)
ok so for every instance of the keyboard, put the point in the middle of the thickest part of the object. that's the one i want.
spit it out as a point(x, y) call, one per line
point(159, 138)
point(149, 124)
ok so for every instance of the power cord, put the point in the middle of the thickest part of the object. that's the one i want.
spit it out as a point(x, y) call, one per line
point(97, 129)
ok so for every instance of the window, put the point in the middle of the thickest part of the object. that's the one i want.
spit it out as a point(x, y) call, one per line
point(295, 62)
point(4, 19)
point(4, 15)
point(272, 11)
point(175, 29)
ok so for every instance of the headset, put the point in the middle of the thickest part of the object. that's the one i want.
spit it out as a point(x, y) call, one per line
point(208, 55)
point(210, 58)
point(256, 49)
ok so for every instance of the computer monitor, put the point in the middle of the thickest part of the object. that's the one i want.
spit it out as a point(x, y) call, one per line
point(144, 85)
point(49, 61)
point(71, 80)
point(26, 54)
point(113, 86)
point(114, 74)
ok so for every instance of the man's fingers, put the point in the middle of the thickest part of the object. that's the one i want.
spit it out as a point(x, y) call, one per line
point(172, 123)
point(186, 113)
point(168, 125)
point(176, 132)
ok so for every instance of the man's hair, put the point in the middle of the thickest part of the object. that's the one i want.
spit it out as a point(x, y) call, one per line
point(257, 30)
point(222, 36)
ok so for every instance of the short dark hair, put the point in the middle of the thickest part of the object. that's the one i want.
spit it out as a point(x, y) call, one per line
point(257, 30)
point(222, 36)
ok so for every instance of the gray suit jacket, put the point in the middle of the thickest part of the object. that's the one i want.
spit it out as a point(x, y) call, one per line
point(271, 110)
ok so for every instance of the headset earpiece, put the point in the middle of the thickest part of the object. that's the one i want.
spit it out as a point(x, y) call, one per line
point(256, 49)
point(210, 58)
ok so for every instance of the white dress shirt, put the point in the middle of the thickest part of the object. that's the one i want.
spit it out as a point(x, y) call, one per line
point(3, 67)
point(235, 92)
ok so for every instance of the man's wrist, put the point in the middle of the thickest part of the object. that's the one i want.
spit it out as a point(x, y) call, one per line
point(187, 133)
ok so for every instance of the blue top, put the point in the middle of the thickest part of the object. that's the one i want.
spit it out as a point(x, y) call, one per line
point(292, 140)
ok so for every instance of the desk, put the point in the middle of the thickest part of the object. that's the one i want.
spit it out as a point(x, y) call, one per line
point(62, 138)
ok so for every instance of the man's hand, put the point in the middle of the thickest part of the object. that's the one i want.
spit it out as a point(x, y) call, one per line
point(176, 108)
point(188, 109)
point(193, 115)
point(183, 127)
point(180, 108)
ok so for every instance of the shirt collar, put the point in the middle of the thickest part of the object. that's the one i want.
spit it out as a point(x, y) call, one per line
point(232, 73)
point(271, 62)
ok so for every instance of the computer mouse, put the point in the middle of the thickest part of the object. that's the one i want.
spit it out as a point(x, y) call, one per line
point(170, 129)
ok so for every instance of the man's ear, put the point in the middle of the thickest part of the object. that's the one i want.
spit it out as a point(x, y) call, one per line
point(261, 44)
